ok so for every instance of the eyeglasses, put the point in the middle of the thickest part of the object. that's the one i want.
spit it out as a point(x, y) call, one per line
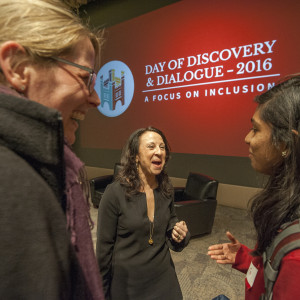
point(93, 75)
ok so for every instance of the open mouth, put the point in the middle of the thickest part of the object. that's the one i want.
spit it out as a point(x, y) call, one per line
point(156, 163)
point(77, 115)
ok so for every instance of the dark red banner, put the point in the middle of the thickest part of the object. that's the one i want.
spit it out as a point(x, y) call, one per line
point(192, 69)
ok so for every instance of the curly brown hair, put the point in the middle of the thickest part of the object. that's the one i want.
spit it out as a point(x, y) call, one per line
point(128, 175)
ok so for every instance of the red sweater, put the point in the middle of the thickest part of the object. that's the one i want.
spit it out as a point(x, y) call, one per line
point(287, 284)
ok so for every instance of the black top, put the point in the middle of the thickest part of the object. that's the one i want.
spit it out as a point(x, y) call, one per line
point(132, 268)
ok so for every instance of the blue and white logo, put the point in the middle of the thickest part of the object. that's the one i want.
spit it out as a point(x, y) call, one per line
point(115, 88)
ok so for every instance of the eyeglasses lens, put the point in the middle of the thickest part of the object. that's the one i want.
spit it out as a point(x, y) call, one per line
point(92, 82)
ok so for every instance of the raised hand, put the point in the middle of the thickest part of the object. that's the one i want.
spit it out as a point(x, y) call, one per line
point(179, 231)
point(225, 253)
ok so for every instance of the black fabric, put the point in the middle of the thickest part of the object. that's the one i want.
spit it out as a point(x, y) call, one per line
point(37, 261)
point(130, 267)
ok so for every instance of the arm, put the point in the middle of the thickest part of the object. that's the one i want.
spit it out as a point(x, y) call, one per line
point(106, 235)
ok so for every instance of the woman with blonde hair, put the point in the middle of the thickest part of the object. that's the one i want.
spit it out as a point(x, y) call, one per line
point(47, 77)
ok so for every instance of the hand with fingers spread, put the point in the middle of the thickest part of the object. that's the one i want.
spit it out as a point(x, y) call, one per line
point(225, 253)
point(179, 231)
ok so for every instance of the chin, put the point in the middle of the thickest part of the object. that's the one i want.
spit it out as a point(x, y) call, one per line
point(70, 139)
point(261, 170)
point(157, 172)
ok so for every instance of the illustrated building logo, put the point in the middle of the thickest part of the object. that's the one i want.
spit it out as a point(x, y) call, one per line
point(115, 88)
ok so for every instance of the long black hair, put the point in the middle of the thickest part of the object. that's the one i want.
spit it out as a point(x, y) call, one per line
point(128, 175)
point(279, 201)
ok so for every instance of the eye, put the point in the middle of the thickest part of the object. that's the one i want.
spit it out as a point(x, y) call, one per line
point(162, 147)
point(86, 79)
point(150, 147)
point(254, 130)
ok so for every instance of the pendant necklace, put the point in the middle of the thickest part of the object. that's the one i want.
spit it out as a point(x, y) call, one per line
point(150, 241)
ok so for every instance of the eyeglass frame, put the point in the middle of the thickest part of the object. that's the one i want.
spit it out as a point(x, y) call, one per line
point(93, 75)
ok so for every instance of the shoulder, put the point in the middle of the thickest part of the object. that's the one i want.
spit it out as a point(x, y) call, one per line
point(114, 188)
point(113, 194)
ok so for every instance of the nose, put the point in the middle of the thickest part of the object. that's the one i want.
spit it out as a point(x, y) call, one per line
point(94, 99)
point(158, 150)
point(248, 138)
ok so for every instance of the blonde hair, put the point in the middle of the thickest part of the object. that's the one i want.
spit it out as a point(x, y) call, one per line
point(44, 28)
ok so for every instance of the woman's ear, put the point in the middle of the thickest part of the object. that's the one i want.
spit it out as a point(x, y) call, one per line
point(285, 152)
point(15, 75)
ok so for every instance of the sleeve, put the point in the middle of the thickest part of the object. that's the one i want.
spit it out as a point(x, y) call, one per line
point(177, 247)
point(287, 284)
point(108, 213)
point(243, 259)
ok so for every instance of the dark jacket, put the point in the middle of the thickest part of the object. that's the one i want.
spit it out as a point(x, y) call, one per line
point(37, 261)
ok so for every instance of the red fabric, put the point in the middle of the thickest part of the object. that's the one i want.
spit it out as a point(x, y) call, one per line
point(287, 284)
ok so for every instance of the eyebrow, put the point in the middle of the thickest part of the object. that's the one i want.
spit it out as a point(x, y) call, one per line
point(153, 143)
point(254, 122)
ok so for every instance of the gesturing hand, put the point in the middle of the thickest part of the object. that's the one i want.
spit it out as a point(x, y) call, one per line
point(225, 253)
point(179, 231)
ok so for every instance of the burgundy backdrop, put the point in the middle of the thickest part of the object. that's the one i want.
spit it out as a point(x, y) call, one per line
point(240, 48)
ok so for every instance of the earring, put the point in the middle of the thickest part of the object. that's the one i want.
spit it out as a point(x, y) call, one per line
point(22, 88)
point(284, 154)
point(137, 165)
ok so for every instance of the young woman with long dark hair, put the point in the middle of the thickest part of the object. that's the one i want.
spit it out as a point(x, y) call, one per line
point(273, 150)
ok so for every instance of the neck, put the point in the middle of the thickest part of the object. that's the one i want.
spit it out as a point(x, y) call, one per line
point(148, 182)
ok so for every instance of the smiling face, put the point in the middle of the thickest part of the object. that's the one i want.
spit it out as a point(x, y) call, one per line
point(64, 87)
point(263, 154)
point(152, 154)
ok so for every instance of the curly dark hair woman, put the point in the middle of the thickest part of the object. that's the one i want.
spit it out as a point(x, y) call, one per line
point(137, 224)
point(129, 175)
